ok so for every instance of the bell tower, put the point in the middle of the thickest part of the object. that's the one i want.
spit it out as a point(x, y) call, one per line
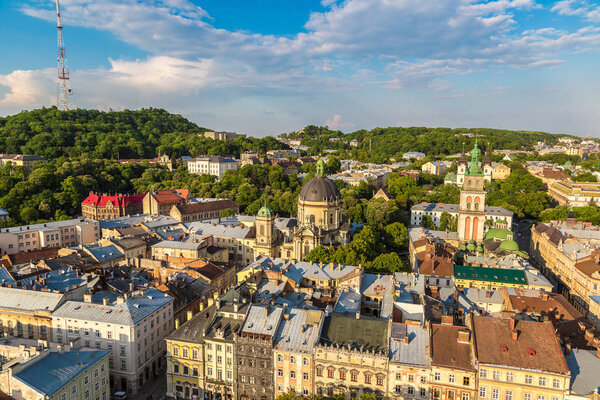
point(265, 232)
point(471, 210)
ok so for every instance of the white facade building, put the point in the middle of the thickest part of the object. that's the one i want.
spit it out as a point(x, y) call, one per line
point(133, 329)
point(212, 165)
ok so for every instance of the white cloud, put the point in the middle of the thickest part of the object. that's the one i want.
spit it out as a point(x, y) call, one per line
point(336, 123)
point(27, 88)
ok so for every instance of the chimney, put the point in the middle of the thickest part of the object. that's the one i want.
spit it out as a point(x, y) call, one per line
point(464, 335)
point(589, 334)
point(544, 296)
point(120, 300)
point(286, 316)
point(105, 301)
point(236, 307)
point(447, 320)
point(567, 349)
point(189, 315)
point(131, 286)
point(358, 314)
point(514, 335)
point(511, 324)
point(176, 323)
point(87, 297)
point(406, 338)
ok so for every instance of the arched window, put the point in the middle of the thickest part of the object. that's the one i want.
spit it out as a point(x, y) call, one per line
point(262, 230)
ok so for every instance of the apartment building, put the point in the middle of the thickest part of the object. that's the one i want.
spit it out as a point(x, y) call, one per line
point(68, 233)
point(212, 165)
point(293, 351)
point(569, 256)
point(574, 194)
point(254, 352)
point(21, 160)
point(519, 360)
point(202, 211)
point(351, 358)
point(105, 206)
point(59, 375)
point(131, 327)
point(453, 373)
point(410, 361)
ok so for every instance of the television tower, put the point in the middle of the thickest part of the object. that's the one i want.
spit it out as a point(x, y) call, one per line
point(63, 99)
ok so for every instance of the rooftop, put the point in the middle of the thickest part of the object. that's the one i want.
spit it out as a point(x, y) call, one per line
point(365, 333)
point(47, 375)
point(530, 345)
point(299, 330)
point(409, 344)
point(262, 320)
point(584, 366)
point(498, 275)
point(451, 347)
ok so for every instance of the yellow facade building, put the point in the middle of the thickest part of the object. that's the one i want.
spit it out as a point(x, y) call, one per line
point(520, 360)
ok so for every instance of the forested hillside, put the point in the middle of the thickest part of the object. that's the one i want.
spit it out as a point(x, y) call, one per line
point(381, 144)
point(51, 133)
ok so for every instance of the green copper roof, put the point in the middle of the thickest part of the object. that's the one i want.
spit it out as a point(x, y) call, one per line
point(320, 168)
point(509, 245)
point(474, 169)
point(500, 234)
point(265, 211)
point(498, 275)
point(568, 162)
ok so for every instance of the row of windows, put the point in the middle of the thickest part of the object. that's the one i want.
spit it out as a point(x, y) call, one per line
point(305, 375)
point(367, 377)
point(305, 360)
point(411, 378)
point(508, 395)
point(411, 391)
point(541, 381)
point(451, 379)
point(305, 391)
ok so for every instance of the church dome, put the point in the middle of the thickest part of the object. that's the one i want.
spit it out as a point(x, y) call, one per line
point(265, 212)
point(320, 189)
point(509, 245)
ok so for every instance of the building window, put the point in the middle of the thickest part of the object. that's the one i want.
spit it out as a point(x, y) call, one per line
point(510, 377)
point(305, 376)
point(556, 383)
point(293, 375)
point(497, 375)
point(342, 374)
point(542, 381)
point(465, 396)
point(495, 394)
point(437, 377)
point(398, 389)
point(482, 392)
point(279, 358)
point(526, 396)
point(354, 376)
point(451, 378)
point(423, 392)
point(184, 352)
point(330, 373)
point(508, 395)
point(379, 380)
point(280, 372)
point(466, 381)
point(528, 379)
point(292, 359)
point(368, 379)
point(411, 378)
point(483, 373)
point(305, 361)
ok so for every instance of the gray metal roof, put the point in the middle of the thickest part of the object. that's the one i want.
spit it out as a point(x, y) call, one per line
point(348, 301)
point(262, 319)
point(219, 230)
point(104, 253)
point(130, 312)
point(299, 331)
point(171, 244)
point(416, 351)
point(29, 300)
point(303, 269)
point(50, 225)
point(584, 366)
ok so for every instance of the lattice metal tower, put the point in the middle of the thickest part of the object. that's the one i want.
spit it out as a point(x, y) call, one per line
point(64, 100)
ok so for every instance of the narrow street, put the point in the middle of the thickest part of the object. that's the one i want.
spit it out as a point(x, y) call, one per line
point(157, 388)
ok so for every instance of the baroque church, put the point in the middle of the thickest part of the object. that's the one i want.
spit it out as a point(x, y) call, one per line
point(320, 222)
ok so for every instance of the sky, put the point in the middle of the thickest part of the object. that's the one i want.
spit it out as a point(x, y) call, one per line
point(263, 67)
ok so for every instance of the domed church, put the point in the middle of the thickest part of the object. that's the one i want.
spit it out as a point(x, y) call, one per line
point(320, 221)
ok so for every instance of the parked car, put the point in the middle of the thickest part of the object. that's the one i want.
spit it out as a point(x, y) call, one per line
point(119, 396)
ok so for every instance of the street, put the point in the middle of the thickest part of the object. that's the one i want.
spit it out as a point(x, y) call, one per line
point(157, 388)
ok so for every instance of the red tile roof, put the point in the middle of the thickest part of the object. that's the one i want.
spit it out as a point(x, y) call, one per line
point(101, 200)
point(536, 346)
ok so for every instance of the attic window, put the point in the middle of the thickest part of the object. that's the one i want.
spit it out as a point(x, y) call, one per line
point(530, 351)
point(503, 348)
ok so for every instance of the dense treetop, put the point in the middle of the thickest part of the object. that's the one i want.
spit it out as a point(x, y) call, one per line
point(125, 134)
point(381, 144)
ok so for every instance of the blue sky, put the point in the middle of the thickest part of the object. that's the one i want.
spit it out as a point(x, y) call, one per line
point(269, 66)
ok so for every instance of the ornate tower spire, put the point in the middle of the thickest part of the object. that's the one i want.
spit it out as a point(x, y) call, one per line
point(320, 168)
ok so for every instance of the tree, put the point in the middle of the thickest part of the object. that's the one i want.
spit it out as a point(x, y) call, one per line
point(396, 236)
point(387, 263)
point(585, 177)
point(319, 254)
point(448, 222)
point(427, 222)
